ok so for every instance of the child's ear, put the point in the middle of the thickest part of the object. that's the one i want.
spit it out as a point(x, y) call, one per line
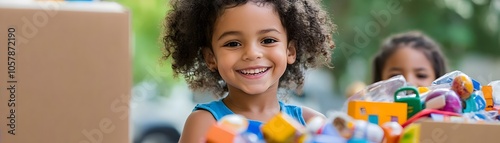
point(291, 52)
point(209, 57)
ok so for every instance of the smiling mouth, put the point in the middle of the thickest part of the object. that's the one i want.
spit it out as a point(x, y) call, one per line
point(254, 71)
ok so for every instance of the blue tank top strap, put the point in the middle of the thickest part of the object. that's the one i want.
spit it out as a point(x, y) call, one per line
point(293, 111)
point(218, 109)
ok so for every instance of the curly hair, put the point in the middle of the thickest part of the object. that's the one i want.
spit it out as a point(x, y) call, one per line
point(189, 26)
point(419, 41)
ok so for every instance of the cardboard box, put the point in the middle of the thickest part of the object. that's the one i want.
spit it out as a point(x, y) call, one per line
point(65, 72)
point(428, 131)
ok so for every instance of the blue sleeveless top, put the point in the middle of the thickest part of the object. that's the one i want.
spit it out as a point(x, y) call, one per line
point(219, 110)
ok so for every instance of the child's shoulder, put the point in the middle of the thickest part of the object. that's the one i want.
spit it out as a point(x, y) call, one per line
point(197, 123)
point(301, 113)
point(216, 108)
point(201, 115)
point(309, 113)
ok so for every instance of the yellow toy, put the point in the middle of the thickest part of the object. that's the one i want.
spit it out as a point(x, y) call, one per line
point(423, 90)
point(282, 128)
point(411, 134)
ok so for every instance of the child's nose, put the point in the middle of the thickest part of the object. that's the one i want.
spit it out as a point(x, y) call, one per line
point(411, 80)
point(252, 52)
point(414, 81)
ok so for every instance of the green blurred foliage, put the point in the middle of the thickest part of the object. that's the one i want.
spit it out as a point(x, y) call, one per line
point(147, 22)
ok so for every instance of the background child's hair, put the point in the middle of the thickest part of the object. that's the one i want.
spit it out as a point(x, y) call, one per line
point(189, 26)
point(416, 40)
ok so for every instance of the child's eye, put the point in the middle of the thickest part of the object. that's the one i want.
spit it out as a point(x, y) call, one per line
point(393, 75)
point(268, 41)
point(232, 44)
point(422, 76)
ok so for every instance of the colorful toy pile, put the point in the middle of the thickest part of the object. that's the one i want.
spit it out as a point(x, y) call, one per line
point(383, 112)
point(283, 129)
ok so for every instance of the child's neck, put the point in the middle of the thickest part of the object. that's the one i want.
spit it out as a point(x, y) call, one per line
point(257, 107)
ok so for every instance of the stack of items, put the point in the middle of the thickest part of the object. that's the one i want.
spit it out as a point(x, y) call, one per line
point(386, 112)
point(283, 129)
point(453, 105)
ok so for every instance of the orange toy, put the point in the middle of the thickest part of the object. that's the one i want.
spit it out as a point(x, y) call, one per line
point(488, 96)
point(378, 112)
point(463, 86)
point(220, 134)
point(392, 131)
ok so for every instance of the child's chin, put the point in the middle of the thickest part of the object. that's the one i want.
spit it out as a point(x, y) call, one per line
point(256, 90)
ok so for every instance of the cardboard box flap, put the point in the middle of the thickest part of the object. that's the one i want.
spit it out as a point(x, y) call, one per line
point(455, 132)
point(106, 7)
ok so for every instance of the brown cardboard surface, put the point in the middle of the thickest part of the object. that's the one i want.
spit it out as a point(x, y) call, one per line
point(72, 75)
point(449, 132)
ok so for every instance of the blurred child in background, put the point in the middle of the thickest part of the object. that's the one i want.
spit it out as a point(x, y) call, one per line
point(412, 54)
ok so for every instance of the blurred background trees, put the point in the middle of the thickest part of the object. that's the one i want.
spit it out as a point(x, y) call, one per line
point(467, 30)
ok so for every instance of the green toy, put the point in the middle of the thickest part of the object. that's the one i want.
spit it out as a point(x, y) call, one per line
point(470, 104)
point(413, 102)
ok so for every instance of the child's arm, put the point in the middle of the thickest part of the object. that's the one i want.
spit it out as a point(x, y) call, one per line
point(196, 126)
point(309, 113)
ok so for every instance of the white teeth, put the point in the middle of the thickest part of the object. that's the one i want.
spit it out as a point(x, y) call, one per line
point(253, 71)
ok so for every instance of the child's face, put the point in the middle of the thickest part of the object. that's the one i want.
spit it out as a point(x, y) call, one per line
point(250, 48)
point(412, 64)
